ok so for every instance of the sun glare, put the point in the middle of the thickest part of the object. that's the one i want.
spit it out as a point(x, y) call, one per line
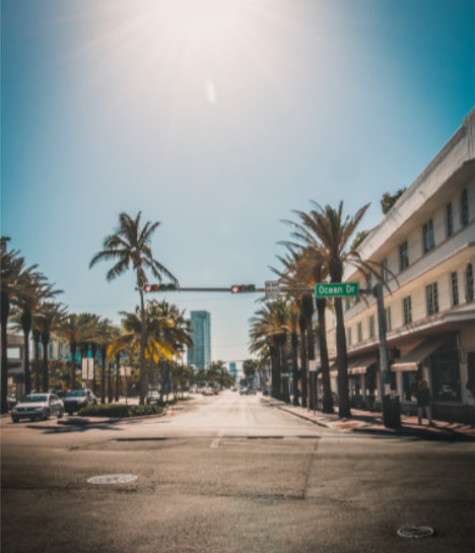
point(198, 20)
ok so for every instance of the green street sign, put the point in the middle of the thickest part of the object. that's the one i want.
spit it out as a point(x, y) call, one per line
point(336, 289)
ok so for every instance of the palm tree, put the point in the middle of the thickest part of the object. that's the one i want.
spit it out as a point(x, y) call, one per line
point(104, 335)
point(304, 267)
point(75, 330)
point(27, 301)
point(48, 319)
point(130, 247)
point(13, 276)
point(327, 227)
point(157, 346)
point(269, 330)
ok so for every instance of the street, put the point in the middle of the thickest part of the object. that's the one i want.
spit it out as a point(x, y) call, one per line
point(230, 474)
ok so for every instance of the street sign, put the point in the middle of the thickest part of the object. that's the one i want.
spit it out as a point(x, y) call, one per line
point(336, 289)
point(272, 289)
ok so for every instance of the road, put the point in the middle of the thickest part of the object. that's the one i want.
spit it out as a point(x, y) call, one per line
point(230, 474)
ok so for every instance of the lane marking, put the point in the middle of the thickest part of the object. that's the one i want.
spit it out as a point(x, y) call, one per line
point(215, 442)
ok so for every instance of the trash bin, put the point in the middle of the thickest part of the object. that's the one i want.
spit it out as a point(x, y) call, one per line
point(391, 411)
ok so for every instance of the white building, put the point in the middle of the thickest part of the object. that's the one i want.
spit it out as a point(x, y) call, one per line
point(426, 244)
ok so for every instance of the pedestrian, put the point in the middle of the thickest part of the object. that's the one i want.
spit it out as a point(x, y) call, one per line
point(423, 402)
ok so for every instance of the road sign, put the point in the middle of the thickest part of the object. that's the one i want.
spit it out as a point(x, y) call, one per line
point(336, 289)
point(272, 289)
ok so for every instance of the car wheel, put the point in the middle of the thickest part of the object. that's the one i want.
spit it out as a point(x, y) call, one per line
point(60, 414)
point(46, 414)
point(14, 419)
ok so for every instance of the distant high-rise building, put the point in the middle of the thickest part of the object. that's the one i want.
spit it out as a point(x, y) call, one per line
point(233, 370)
point(200, 354)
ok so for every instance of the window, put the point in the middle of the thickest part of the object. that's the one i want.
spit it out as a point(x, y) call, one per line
point(371, 326)
point(369, 280)
point(432, 298)
point(407, 310)
point(464, 208)
point(384, 269)
point(360, 332)
point(428, 236)
point(387, 318)
point(469, 283)
point(403, 256)
point(348, 336)
point(454, 286)
point(450, 220)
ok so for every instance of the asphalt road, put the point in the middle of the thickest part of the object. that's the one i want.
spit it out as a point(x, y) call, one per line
point(230, 474)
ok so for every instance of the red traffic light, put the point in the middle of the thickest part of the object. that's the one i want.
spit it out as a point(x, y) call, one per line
point(237, 288)
point(160, 287)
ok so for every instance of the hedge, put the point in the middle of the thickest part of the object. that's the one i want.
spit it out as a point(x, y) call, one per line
point(119, 410)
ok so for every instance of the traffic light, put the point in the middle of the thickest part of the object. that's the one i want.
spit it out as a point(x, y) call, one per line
point(160, 287)
point(237, 288)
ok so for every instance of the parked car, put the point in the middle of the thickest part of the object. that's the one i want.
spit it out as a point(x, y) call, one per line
point(38, 406)
point(75, 399)
point(153, 397)
point(11, 402)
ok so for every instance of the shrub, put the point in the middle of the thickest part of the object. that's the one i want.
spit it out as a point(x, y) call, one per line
point(120, 410)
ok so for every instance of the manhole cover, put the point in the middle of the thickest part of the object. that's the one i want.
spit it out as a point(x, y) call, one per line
point(112, 479)
point(415, 532)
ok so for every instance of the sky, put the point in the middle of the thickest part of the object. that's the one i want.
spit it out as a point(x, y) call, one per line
point(217, 118)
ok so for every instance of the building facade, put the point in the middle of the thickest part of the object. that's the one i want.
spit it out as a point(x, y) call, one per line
point(200, 354)
point(424, 251)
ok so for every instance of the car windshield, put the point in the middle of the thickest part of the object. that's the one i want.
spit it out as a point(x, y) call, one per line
point(75, 393)
point(34, 398)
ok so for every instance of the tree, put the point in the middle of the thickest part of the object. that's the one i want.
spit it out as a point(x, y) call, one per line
point(12, 277)
point(388, 200)
point(27, 301)
point(48, 319)
point(269, 329)
point(76, 329)
point(104, 334)
point(249, 367)
point(332, 231)
point(157, 346)
point(130, 248)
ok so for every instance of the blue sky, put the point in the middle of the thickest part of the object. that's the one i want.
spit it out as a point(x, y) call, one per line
point(216, 118)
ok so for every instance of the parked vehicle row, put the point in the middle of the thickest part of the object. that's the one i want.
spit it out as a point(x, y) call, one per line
point(40, 406)
point(76, 399)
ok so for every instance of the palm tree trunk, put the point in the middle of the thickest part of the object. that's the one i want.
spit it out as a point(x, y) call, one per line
point(295, 368)
point(45, 342)
point(72, 349)
point(103, 375)
point(36, 346)
point(117, 376)
point(26, 325)
point(303, 360)
point(344, 409)
point(284, 369)
point(322, 336)
point(143, 339)
point(109, 383)
point(5, 309)
point(94, 351)
point(307, 307)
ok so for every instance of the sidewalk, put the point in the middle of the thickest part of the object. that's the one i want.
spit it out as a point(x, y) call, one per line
point(372, 422)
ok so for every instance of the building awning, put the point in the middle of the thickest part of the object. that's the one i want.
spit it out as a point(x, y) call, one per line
point(411, 359)
point(359, 366)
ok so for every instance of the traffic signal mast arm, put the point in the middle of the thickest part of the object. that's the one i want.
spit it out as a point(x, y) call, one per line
point(235, 288)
